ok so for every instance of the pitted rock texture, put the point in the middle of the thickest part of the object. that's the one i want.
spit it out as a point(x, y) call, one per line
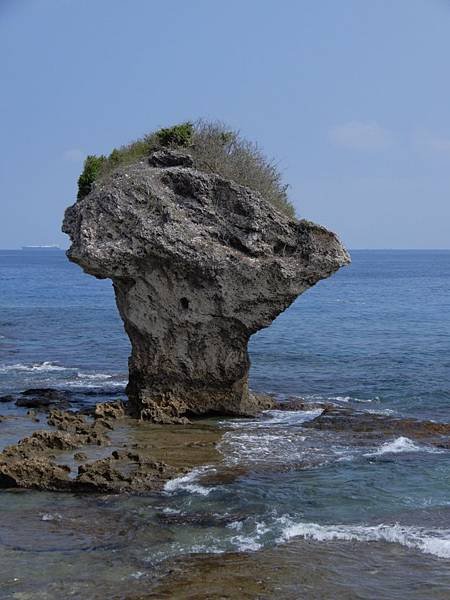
point(39, 461)
point(198, 265)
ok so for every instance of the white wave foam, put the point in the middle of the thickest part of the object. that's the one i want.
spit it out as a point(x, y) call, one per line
point(290, 417)
point(245, 543)
point(352, 399)
point(337, 398)
point(94, 376)
point(277, 438)
point(51, 517)
point(45, 366)
point(274, 417)
point(261, 447)
point(340, 398)
point(435, 542)
point(381, 411)
point(171, 511)
point(187, 482)
point(247, 540)
point(401, 444)
point(94, 385)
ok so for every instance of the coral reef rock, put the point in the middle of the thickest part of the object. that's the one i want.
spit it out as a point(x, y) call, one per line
point(39, 461)
point(198, 265)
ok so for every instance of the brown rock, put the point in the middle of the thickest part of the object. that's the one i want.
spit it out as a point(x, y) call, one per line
point(123, 472)
point(80, 456)
point(110, 410)
point(41, 441)
point(40, 473)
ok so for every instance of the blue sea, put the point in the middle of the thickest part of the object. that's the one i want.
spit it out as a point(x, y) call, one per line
point(375, 337)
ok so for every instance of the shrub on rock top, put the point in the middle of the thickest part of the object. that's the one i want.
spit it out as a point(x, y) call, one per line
point(91, 170)
point(178, 136)
point(214, 148)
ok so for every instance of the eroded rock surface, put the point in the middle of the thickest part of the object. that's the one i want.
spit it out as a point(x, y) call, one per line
point(198, 265)
point(39, 461)
point(124, 472)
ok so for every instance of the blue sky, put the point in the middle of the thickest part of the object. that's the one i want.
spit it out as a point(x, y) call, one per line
point(352, 97)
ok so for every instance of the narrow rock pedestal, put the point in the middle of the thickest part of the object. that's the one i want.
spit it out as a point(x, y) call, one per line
point(198, 265)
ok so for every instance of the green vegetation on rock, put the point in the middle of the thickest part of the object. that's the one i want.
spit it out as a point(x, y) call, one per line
point(214, 148)
point(92, 167)
point(178, 136)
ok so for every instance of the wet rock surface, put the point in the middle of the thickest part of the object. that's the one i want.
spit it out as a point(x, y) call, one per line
point(198, 264)
point(300, 404)
point(197, 519)
point(348, 419)
point(43, 398)
point(38, 473)
point(74, 456)
point(305, 569)
point(51, 394)
point(33, 461)
point(124, 472)
point(7, 398)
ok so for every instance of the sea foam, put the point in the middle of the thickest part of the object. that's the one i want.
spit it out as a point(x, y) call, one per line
point(187, 483)
point(435, 542)
point(401, 444)
point(45, 366)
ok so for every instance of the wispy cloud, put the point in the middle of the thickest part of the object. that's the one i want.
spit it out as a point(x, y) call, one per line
point(428, 141)
point(358, 135)
point(74, 155)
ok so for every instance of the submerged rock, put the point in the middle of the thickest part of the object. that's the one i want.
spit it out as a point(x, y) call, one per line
point(49, 393)
point(7, 398)
point(300, 404)
point(337, 418)
point(198, 265)
point(33, 403)
point(43, 398)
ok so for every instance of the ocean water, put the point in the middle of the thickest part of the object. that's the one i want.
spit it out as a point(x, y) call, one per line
point(375, 337)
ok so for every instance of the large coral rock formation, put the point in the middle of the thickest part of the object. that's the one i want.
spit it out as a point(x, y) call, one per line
point(198, 265)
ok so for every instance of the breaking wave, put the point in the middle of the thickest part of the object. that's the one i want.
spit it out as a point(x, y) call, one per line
point(352, 399)
point(187, 483)
point(401, 444)
point(44, 367)
point(274, 417)
point(94, 376)
point(436, 542)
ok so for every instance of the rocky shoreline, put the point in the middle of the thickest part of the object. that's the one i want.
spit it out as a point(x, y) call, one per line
point(93, 467)
point(95, 452)
point(105, 450)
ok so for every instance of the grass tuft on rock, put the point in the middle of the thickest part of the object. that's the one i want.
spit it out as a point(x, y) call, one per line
point(214, 147)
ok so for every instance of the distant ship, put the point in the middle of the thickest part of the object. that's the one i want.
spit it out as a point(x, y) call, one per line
point(41, 248)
